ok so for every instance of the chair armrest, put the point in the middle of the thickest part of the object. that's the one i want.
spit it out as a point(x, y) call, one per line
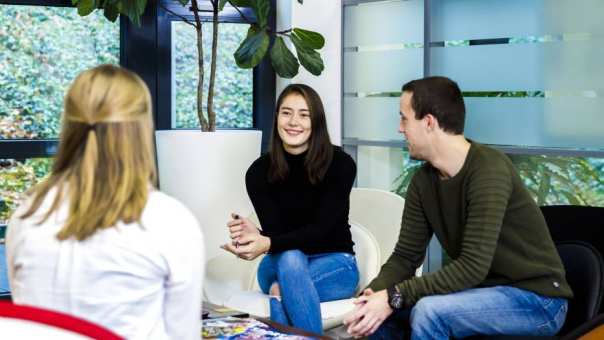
point(226, 273)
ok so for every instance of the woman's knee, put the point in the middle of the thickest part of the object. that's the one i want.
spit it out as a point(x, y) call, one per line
point(292, 261)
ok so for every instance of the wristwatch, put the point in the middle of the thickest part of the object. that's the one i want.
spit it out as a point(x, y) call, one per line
point(395, 298)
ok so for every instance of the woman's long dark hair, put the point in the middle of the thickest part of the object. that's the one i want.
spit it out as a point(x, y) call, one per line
point(320, 149)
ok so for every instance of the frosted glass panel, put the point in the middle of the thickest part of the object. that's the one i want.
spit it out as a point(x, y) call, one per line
point(379, 167)
point(553, 57)
point(574, 66)
point(539, 122)
point(484, 19)
point(574, 121)
point(372, 118)
point(531, 71)
point(505, 121)
point(383, 43)
point(560, 66)
point(381, 71)
point(573, 16)
point(490, 67)
point(480, 19)
point(384, 22)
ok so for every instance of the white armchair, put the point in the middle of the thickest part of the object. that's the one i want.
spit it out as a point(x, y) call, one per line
point(375, 218)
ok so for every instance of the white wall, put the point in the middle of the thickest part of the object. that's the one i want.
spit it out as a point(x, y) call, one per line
point(325, 17)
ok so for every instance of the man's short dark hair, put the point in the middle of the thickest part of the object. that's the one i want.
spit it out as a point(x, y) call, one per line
point(441, 97)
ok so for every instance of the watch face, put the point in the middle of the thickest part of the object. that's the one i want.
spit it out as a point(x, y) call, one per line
point(396, 301)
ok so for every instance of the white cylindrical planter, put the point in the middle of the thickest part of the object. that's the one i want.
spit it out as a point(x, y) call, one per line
point(206, 172)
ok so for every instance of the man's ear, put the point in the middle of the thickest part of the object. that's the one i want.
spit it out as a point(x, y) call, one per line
point(431, 122)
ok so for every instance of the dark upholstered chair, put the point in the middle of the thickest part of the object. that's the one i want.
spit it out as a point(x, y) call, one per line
point(591, 330)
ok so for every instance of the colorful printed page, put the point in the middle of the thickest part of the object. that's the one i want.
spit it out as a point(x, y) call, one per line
point(243, 329)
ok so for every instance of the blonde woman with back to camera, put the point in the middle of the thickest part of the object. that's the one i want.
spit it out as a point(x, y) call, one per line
point(96, 239)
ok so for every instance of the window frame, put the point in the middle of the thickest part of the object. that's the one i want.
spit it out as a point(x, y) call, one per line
point(263, 75)
point(136, 44)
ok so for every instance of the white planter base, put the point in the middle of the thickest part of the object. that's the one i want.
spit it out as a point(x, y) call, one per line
point(206, 172)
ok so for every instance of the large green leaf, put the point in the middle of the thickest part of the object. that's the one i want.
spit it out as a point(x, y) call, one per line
point(111, 11)
point(252, 50)
point(252, 30)
point(309, 58)
point(133, 9)
point(262, 8)
point(311, 39)
point(86, 7)
point(284, 62)
point(221, 4)
point(241, 3)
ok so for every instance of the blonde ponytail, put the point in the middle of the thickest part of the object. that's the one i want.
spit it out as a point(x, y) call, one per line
point(105, 164)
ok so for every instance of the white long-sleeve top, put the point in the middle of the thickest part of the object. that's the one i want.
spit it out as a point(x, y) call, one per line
point(143, 281)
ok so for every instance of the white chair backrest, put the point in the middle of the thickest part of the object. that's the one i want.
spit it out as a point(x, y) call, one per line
point(381, 213)
point(366, 251)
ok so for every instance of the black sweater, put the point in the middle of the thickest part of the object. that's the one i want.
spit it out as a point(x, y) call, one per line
point(298, 215)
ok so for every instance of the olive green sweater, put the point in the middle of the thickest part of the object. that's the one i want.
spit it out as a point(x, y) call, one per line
point(486, 221)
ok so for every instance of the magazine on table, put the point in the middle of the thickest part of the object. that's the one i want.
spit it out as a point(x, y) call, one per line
point(243, 329)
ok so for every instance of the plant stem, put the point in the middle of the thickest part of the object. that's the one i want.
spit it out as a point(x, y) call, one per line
point(280, 32)
point(202, 119)
point(241, 13)
point(181, 17)
point(210, 108)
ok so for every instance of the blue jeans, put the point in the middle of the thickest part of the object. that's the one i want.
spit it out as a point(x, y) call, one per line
point(304, 282)
point(499, 310)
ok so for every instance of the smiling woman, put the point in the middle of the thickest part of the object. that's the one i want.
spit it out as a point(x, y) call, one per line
point(300, 191)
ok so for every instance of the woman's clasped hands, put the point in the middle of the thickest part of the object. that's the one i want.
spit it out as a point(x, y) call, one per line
point(246, 241)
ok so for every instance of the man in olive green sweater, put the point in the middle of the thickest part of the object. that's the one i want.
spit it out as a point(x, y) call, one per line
point(505, 276)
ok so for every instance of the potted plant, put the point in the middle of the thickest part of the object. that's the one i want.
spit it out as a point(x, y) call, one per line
point(249, 54)
point(206, 170)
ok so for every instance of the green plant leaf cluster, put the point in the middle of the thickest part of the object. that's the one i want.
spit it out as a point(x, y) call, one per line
point(254, 47)
point(562, 180)
point(133, 9)
point(16, 177)
point(251, 51)
point(551, 180)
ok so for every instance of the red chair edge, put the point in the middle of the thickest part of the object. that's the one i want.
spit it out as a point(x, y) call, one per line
point(56, 319)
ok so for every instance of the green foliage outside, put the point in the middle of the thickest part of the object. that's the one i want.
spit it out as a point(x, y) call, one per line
point(42, 49)
point(551, 180)
point(16, 177)
point(234, 87)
